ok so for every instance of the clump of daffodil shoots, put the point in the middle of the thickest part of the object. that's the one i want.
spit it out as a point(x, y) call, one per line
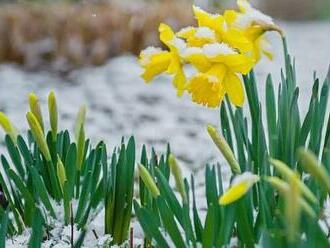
point(279, 159)
point(221, 49)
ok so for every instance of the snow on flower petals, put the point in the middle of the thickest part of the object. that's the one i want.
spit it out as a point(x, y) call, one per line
point(221, 48)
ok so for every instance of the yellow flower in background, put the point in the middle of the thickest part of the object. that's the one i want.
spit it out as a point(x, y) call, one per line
point(219, 66)
point(239, 187)
point(231, 35)
point(221, 49)
point(156, 61)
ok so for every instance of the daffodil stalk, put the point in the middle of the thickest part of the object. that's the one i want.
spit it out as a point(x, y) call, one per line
point(225, 149)
point(8, 127)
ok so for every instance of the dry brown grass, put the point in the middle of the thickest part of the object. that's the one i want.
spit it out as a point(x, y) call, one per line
point(66, 36)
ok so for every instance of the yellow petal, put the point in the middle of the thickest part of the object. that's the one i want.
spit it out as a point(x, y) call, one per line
point(207, 88)
point(198, 60)
point(205, 19)
point(166, 33)
point(204, 91)
point(179, 82)
point(239, 63)
point(230, 16)
point(236, 39)
point(234, 193)
point(234, 89)
point(155, 64)
point(186, 33)
point(240, 186)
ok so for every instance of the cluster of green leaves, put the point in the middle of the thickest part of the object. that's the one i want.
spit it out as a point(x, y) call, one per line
point(50, 171)
point(259, 217)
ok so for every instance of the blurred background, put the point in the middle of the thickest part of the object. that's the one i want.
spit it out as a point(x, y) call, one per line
point(62, 35)
point(86, 52)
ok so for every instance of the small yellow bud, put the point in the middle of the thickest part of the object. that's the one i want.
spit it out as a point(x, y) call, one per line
point(8, 127)
point(38, 135)
point(80, 136)
point(61, 172)
point(148, 181)
point(35, 108)
point(288, 173)
point(224, 148)
point(314, 167)
point(80, 120)
point(176, 171)
point(53, 114)
point(240, 186)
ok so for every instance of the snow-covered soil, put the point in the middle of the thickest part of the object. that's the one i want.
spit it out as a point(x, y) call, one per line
point(120, 104)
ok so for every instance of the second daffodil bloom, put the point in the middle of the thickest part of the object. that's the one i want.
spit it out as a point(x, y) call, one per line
point(156, 61)
point(218, 66)
point(254, 24)
point(239, 187)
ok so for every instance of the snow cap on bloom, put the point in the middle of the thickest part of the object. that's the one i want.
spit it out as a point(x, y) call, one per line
point(223, 32)
point(155, 61)
point(239, 187)
point(197, 37)
point(8, 127)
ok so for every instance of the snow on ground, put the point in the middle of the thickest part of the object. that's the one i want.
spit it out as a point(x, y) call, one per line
point(119, 103)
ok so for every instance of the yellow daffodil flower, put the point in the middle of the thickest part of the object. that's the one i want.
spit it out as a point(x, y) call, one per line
point(239, 187)
point(254, 24)
point(224, 33)
point(218, 66)
point(156, 61)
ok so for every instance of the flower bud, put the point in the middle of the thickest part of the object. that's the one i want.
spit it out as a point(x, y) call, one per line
point(8, 127)
point(35, 108)
point(225, 149)
point(38, 135)
point(311, 165)
point(53, 115)
point(61, 172)
point(176, 171)
point(148, 181)
point(240, 186)
point(286, 172)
